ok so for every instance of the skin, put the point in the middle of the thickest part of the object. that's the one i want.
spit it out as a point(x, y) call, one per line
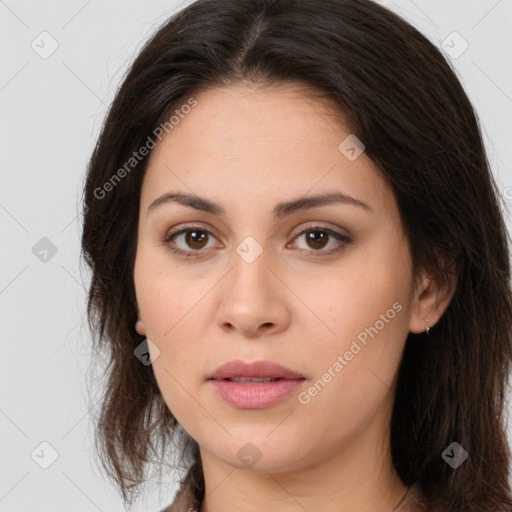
point(249, 148)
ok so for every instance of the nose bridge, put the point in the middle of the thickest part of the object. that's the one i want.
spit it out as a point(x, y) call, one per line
point(250, 276)
point(251, 296)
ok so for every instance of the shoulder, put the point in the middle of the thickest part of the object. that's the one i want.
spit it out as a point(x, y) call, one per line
point(184, 501)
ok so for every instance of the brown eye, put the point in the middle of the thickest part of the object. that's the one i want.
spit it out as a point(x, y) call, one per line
point(317, 239)
point(190, 242)
point(195, 239)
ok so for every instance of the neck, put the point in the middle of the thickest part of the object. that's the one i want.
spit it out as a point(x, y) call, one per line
point(359, 475)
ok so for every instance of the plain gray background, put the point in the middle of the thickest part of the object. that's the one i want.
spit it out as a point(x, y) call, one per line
point(52, 107)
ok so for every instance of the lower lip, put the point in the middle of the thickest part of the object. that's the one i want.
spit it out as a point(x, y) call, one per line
point(255, 396)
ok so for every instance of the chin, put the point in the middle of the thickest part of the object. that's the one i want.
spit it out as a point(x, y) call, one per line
point(258, 451)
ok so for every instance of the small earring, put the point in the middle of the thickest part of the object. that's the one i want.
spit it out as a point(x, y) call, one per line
point(428, 328)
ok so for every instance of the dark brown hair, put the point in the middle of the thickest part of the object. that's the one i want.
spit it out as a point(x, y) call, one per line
point(402, 98)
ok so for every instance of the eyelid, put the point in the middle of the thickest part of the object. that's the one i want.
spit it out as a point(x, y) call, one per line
point(186, 227)
point(316, 224)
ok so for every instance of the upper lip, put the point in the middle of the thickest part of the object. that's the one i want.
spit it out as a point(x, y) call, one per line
point(262, 369)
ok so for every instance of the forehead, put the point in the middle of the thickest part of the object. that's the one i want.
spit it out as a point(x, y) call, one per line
point(245, 140)
point(233, 119)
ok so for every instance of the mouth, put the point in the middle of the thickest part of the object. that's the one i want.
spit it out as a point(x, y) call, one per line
point(254, 386)
point(255, 380)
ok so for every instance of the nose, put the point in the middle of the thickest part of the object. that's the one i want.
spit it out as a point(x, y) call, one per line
point(255, 299)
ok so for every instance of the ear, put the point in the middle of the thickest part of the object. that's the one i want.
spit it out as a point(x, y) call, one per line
point(139, 327)
point(139, 324)
point(431, 298)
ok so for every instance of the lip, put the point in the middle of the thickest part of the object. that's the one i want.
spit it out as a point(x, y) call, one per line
point(256, 395)
point(238, 368)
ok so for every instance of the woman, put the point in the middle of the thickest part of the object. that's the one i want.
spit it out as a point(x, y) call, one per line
point(299, 266)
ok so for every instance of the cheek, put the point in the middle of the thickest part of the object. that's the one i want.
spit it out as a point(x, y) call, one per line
point(163, 295)
point(364, 317)
point(174, 315)
point(354, 369)
point(353, 297)
point(172, 325)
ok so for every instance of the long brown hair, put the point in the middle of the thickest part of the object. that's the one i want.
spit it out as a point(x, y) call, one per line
point(400, 97)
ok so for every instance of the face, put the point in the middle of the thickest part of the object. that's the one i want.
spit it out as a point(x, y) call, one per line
point(323, 289)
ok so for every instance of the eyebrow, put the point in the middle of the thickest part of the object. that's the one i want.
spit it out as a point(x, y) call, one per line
point(280, 210)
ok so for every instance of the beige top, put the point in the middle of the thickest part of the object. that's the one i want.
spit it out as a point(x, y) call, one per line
point(413, 501)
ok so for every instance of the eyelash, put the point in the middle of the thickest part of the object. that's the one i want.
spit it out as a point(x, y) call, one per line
point(313, 227)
